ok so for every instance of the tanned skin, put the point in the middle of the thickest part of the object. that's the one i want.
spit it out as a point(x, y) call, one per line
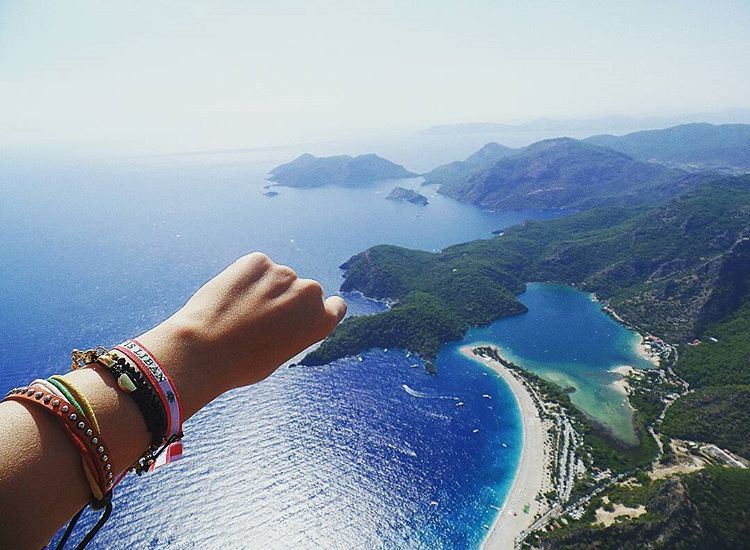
point(236, 330)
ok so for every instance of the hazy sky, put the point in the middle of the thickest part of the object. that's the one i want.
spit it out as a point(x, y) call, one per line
point(164, 76)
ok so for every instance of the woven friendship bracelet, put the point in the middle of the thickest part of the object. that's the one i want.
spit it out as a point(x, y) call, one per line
point(82, 400)
point(162, 382)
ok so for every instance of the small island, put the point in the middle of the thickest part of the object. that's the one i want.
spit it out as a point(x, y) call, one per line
point(310, 171)
point(270, 193)
point(409, 195)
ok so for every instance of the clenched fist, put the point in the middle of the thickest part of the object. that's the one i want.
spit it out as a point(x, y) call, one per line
point(240, 326)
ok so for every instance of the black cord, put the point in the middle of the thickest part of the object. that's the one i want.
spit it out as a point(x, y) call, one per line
point(95, 529)
point(91, 534)
point(69, 529)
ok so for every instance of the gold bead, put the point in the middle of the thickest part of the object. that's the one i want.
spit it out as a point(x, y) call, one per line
point(106, 360)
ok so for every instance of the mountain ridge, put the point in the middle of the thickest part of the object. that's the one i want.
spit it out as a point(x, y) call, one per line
point(563, 173)
point(712, 146)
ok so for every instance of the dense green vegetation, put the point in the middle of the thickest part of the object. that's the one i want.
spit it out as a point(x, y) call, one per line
point(705, 509)
point(719, 415)
point(726, 361)
point(670, 269)
point(722, 500)
point(719, 409)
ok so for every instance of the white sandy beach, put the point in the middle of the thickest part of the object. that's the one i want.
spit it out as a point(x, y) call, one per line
point(622, 384)
point(532, 475)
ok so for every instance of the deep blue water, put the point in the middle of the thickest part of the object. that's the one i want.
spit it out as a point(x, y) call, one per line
point(335, 456)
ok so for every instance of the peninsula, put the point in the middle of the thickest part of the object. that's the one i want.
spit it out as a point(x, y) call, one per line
point(680, 270)
point(534, 476)
point(343, 170)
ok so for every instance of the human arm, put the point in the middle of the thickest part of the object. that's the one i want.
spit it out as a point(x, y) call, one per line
point(236, 330)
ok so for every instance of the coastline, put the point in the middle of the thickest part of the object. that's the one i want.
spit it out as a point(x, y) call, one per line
point(532, 474)
point(621, 384)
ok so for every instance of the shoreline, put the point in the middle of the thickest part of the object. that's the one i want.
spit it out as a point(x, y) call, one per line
point(622, 385)
point(532, 474)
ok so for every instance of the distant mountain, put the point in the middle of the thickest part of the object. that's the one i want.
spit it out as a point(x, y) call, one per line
point(704, 145)
point(461, 170)
point(562, 173)
point(408, 195)
point(311, 171)
point(464, 128)
point(603, 124)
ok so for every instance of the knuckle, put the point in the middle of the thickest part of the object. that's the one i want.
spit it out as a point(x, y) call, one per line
point(310, 287)
point(285, 272)
point(260, 258)
point(254, 260)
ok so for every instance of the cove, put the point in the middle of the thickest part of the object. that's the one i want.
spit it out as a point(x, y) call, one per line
point(567, 339)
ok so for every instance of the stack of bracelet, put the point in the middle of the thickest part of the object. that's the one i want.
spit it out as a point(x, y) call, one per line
point(73, 412)
point(137, 373)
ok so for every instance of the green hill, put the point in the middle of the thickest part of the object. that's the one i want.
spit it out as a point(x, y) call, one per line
point(701, 144)
point(564, 173)
point(668, 269)
point(709, 509)
point(462, 170)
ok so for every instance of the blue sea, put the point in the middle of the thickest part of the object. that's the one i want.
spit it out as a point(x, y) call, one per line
point(368, 452)
point(335, 456)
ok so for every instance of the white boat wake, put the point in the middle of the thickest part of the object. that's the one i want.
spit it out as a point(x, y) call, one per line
point(421, 395)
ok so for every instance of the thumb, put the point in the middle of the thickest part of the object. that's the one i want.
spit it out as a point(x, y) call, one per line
point(336, 308)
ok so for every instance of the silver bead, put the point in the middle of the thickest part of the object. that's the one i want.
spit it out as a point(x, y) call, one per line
point(73, 417)
point(109, 475)
point(89, 432)
point(38, 395)
point(94, 440)
point(64, 408)
point(105, 458)
point(56, 403)
point(107, 466)
point(100, 449)
point(109, 484)
point(30, 392)
point(81, 425)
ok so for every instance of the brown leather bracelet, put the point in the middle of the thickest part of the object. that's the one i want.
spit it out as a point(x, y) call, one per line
point(88, 441)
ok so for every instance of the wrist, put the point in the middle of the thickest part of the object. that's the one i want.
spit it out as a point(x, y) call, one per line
point(178, 348)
